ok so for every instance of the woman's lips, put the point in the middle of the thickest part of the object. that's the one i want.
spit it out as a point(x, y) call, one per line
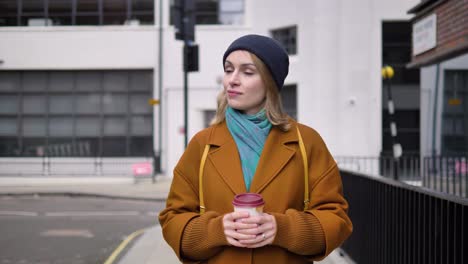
point(233, 93)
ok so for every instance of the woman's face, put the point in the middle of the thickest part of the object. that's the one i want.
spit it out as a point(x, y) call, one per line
point(244, 87)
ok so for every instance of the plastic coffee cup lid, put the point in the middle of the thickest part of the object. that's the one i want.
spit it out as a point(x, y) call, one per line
point(248, 200)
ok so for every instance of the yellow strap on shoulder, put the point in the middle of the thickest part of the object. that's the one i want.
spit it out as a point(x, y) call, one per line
point(200, 178)
point(306, 169)
point(304, 160)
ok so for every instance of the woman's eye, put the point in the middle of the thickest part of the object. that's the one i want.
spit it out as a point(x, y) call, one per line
point(249, 73)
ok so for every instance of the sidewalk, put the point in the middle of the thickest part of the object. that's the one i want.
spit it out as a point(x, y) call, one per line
point(148, 248)
point(106, 187)
point(151, 248)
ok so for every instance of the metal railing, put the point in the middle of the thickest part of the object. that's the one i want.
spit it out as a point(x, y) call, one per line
point(400, 223)
point(441, 173)
point(77, 166)
point(446, 174)
point(407, 168)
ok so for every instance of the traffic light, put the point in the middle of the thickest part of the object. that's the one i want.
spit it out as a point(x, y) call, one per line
point(183, 14)
point(191, 57)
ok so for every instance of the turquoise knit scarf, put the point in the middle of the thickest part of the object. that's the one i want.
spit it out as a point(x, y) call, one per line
point(249, 133)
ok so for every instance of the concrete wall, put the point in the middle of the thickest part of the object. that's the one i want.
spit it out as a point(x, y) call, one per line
point(62, 48)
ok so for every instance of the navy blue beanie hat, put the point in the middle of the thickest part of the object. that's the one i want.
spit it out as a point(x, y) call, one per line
point(266, 49)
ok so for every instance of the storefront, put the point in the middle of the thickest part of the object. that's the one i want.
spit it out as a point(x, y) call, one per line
point(440, 50)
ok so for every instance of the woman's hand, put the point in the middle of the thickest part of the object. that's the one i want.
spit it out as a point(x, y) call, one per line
point(233, 223)
point(249, 232)
point(263, 232)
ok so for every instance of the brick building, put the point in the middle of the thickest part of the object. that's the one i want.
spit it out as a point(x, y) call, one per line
point(440, 50)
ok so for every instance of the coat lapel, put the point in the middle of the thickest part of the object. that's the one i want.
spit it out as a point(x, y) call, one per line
point(275, 155)
point(226, 159)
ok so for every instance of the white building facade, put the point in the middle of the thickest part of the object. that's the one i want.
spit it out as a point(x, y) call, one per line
point(335, 72)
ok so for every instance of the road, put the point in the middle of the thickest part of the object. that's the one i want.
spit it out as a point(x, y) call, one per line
point(71, 230)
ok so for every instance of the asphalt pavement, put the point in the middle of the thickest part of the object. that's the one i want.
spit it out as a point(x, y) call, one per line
point(144, 246)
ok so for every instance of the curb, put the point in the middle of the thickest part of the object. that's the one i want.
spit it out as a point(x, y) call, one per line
point(84, 194)
point(116, 254)
point(150, 248)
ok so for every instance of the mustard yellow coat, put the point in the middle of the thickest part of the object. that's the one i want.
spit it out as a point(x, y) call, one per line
point(279, 178)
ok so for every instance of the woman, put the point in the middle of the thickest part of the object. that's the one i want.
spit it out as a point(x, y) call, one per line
point(253, 146)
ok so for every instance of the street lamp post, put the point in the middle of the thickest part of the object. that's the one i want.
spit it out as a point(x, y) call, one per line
point(387, 74)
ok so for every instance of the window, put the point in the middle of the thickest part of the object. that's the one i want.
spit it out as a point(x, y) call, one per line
point(142, 11)
point(231, 12)
point(455, 113)
point(8, 13)
point(76, 113)
point(206, 12)
point(287, 37)
point(60, 12)
point(289, 99)
point(75, 12)
point(212, 12)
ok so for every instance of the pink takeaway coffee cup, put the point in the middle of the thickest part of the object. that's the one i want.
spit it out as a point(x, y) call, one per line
point(249, 202)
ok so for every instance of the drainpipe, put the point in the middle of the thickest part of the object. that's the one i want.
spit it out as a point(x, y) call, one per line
point(160, 78)
point(434, 114)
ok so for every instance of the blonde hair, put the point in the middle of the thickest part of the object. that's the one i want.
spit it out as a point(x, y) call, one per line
point(273, 105)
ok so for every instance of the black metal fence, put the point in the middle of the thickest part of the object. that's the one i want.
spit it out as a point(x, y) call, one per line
point(440, 173)
point(400, 223)
point(446, 174)
point(406, 168)
point(61, 166)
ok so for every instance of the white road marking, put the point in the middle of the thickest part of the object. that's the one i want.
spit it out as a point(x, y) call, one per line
point(91, 213)
point(67, 233)
point(77, 213)
point(18, 213)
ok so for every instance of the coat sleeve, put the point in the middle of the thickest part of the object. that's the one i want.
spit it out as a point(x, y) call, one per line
point(181, 222)
point(316, 232)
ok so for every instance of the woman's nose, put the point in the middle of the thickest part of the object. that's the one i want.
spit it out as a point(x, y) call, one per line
point(234, 78)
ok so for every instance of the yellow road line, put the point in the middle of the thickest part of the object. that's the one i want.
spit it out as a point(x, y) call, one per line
point(122, 246)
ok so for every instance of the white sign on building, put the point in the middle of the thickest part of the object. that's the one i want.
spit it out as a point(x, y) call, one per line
point(425, 34)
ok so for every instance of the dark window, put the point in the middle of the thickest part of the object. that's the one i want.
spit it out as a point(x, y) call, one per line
point(75, 12)
point(455, 113)
point(289, 99)
point(212, 12)
point(287, 37)
point(115, 12)
point(142, 11)
point(34, 13)
point(87, 13)
point(141, 146)
point(76, 113)
point(60, 12)
point(206, 12)
point(8, 13)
